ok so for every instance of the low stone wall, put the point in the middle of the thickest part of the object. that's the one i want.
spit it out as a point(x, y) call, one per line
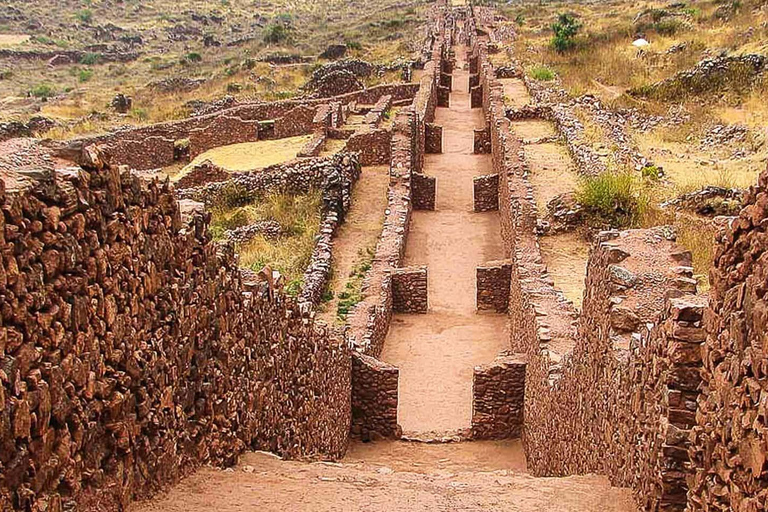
point(410, 290)
point(201, 174)
point(137, 352)
point(493, 282)
point(434, 138)
point(315, 145)
point(443, 97)
point(486, 193)
point(298, 121)
point(482, 141)
point(146, 153)
point(376, 114)
point(374, 146)
point(498, 396)
point(374, 398)
point(295, 177)
point(424, 191)
point(222, 131)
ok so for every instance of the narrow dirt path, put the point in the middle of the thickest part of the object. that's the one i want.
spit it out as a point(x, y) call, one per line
point(358, 234)
point(265, 483)
point(436, 352)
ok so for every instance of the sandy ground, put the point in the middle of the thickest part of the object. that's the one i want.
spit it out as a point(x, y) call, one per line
point(361, 230)
point(264, 483)
point(436, 352)
point(565, 255)
point(515, 93)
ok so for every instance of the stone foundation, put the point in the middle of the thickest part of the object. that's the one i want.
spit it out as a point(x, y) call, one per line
point(222, 131)
point(410, 290)
point(374, 146)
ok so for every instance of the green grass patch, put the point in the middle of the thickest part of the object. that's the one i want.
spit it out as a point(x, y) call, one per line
point(615, 200)
point(542, 73)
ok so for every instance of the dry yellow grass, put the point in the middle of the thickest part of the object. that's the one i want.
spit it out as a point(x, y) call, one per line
point(252, 155)
point(13, 39)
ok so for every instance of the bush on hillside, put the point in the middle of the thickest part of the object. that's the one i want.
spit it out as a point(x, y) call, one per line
point(565, 30)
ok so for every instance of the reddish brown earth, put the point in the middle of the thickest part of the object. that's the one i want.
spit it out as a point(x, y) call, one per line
point(436, 352)
point(391, 476)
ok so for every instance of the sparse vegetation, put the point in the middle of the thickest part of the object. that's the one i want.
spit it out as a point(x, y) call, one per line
point(43, 91)
point(565, 28)
point(615, 199)
point(298, 216)
point(541, 73)
point(84, 15)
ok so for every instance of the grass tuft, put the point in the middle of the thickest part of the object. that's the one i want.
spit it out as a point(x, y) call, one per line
point(612, 199)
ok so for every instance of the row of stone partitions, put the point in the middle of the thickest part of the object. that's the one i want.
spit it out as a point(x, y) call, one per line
point(132, 350)
point(387, 287)
point(652, 385)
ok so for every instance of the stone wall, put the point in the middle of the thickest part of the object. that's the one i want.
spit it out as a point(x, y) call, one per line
point(498, 393)
point(374, 398)
point(410, 290)
point(610, 391)
point(482, 141)
point(728, 442)
point(135, 351)
point(374, 146)
point(298, 121)
point(486, 192)
point(221, 131)
point(424, 191)
point(434, 138)
point(150, 147)
point(493, 282)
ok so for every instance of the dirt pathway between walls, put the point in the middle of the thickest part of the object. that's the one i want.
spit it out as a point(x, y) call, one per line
point(436, 352)
point(390, 477)
point(357, 236)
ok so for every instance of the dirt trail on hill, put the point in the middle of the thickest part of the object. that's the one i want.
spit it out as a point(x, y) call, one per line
point(360, 231)
point(390, 477)
point(436, 352)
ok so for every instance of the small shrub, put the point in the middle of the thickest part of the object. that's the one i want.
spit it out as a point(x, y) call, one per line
point(275, 34)
point(84, 15)
point(542, 73)
point(652, 172)
point(232, 195)
point(520, 20)
point(669, 27)
point(44, 91)
point(140, 113)
point(612, 199)
point(84, 75)
point(354, 45)
point(89, 59)
point(565, 30)
point(193, 57)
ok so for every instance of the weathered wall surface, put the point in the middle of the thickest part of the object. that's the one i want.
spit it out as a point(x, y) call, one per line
point(409, 290)
point(728, 447)
point(222, 131)
point(374, 398)
point(423, 191)
point(133, 350)
point(374, 146)
point(486, 192)
point(493, 282)
point(498, 392)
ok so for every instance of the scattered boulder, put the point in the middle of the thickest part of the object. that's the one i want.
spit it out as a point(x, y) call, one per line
point(121, 103)
point(334, 51)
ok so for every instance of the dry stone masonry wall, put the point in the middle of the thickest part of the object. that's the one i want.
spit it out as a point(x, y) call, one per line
point(133, 351)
